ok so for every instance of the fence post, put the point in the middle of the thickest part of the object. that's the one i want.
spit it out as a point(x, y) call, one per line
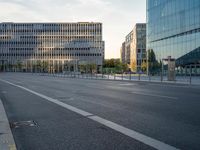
point(139, 76)
point(149, 77)
point(190, 74)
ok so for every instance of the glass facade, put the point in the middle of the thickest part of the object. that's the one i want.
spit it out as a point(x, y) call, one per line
point(173, 29)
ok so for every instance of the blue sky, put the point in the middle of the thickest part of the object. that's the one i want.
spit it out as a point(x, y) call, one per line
point(118, 16)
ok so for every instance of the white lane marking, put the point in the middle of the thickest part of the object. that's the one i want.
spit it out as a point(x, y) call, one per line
point(155, 95)
point(131, 133)
point(175, 85)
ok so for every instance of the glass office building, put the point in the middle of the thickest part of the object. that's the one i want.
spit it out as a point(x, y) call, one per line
point(57, 46)
point(173, 29)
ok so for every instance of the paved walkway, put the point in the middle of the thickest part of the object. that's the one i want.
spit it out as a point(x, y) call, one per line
point(6, 138)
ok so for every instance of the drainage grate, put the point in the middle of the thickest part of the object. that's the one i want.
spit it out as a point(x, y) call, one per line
point(19, 124)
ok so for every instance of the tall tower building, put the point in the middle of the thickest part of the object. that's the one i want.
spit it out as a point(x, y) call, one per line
point(173, 29)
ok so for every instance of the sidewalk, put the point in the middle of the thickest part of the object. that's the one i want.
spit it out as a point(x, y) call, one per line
point(6, 138)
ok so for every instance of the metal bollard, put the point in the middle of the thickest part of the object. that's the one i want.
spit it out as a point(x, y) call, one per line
point(190, 75)
point(139, 77)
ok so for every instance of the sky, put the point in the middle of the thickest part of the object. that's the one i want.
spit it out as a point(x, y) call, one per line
point(118, 16)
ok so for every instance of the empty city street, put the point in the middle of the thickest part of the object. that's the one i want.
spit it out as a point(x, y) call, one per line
point(83, 114)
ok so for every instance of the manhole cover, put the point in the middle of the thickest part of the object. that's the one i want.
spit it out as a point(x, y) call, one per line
point(19, 124)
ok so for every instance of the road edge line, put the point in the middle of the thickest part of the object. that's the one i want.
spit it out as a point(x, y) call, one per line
point(7, 141)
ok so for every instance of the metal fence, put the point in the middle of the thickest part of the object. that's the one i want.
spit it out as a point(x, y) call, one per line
point(185, 79)
point(187, 75)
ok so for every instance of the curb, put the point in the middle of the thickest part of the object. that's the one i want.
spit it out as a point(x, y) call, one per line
point(6, 138)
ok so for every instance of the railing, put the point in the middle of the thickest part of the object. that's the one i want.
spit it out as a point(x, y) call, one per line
point(184, 79)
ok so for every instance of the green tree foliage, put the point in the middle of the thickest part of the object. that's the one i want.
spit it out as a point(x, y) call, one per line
point(114, 66)
point(153, 64)
point(82, 68)
point(93, 68)
point(88, 68)
point(133, 66)
point(110, 63)
point(39, 65)
point(144, 66)
point(45, 66)
point(19, 65)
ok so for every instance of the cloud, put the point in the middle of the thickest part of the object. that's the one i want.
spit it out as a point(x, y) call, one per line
point(118, 17)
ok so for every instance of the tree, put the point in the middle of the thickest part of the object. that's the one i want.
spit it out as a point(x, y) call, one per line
point(109, 63)
point(125, 67)
point(93, 68)
point(19, 65)
point(153, 64)
point(121, 67)
point(82, 68)
point(144, 66)
point(38, 65)
point(114, 66)
point(133, 66)
point(45, 66)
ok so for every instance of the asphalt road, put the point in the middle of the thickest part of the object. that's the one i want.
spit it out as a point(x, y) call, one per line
point(169, 113)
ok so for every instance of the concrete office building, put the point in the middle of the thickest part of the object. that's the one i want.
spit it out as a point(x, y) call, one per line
point(122, 53)
point(57, 46)
point(128, 42)
point(173, 29)
point(138, 48)
point(135, 47)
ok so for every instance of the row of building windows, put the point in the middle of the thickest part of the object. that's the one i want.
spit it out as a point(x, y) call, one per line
point(7, 24)
point(74, 32)
point(56, 36)
point(45, 43)
point(47, 55)
point(88, 26)
point(50, 49)
point(2, 37)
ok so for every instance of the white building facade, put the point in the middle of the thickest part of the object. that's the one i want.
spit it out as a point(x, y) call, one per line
point(57, 46)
